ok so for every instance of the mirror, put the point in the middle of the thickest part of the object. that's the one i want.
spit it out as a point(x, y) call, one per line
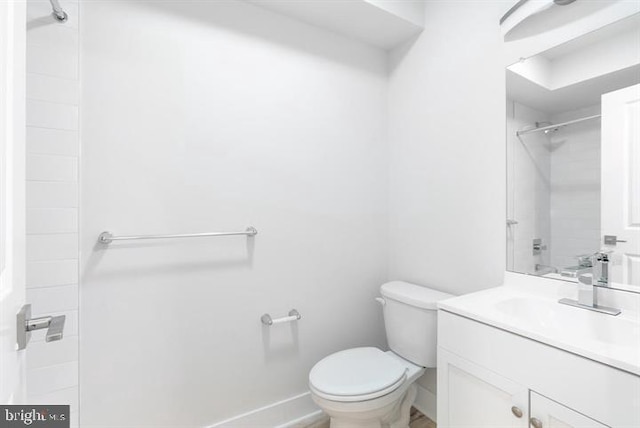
point(573, 158)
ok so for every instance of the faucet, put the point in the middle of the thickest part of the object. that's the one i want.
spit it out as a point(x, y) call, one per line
point(25, 325)
point(54, 326)
point(584, 260)
point(587, 282)
point(600, 263)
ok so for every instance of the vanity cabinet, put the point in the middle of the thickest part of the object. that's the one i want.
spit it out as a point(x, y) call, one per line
point(491, 378)
point(547, 413)
point(480, 398)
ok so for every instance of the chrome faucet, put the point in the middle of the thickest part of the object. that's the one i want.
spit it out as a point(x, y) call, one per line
point(584, 260)
point(600, 263)
point(26, 324)
point(587, 282)
point(54, 326)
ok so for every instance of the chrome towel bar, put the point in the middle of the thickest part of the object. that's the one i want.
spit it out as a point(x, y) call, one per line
point(108, 238)
point(293, 316)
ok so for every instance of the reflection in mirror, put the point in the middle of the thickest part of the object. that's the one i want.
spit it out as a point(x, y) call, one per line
point(573, 159)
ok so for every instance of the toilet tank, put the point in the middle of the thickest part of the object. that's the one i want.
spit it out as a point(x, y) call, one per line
point(410, 320)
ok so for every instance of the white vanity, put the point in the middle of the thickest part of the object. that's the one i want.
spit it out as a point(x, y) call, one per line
point(512, 356)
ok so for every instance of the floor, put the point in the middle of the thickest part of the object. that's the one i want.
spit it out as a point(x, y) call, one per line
point(418, 420)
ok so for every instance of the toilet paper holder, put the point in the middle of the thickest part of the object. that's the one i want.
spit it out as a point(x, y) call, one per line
point(294, 315)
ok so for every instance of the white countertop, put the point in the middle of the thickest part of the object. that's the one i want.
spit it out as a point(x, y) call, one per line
point(528, 306)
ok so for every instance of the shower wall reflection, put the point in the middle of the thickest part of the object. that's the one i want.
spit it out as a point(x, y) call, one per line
point(554, 190)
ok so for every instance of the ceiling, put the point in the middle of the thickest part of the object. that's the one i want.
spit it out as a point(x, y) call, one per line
point(576, 74)
point(583, 94)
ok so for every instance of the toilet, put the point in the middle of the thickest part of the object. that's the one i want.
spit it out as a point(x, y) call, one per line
point(370, 388)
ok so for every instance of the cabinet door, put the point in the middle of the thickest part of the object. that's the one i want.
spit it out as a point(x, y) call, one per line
point(546, 413)
point(475, 397)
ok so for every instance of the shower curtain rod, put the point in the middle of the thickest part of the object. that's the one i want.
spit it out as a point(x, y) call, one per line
point(558, 125)
point(58, 11)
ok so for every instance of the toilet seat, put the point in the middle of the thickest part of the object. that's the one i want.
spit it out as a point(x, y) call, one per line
point(357, 374)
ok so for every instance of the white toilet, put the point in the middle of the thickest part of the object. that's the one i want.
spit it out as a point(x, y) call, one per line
point(367, 387)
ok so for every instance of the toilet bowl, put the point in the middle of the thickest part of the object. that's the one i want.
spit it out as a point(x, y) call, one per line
point(364, 387)
point(369, 388)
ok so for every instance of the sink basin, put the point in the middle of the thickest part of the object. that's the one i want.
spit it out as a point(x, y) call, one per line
point(545, 315)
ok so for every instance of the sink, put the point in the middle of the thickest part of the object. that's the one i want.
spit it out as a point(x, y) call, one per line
point(534, 313)
point(545, 315)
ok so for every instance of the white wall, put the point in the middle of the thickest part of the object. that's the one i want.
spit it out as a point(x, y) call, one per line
point(529, 188)
point(447, 150)
point(53, 89)
point(447, 153)
point(211, 117)
point(575, 188)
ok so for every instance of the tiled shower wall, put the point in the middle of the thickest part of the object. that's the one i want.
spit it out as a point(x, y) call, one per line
point(554, 189)
point(575, 188)
point(529, 192)
point(52, 200)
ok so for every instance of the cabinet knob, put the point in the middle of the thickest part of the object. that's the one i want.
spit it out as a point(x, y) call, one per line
point(516, 412)
point(536, 423)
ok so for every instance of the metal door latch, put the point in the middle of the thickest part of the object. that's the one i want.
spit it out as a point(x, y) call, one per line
point(612, 240)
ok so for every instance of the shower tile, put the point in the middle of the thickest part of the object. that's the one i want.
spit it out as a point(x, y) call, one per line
point(52, 141)
point(52, 220)
point(52, 168)
point(53, 89)
point(60, 62)
point(41, 194)
point(52, 146)
point(62, 396)
point(45, 114)
point(61, 246)
point(52, 378)
point(51, 34)
point(53, 299)
point(43, 354)
point(50, 273)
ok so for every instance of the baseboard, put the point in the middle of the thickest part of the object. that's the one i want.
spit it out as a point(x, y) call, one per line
point(426, 403)
point(299, 410)
point(306, 421)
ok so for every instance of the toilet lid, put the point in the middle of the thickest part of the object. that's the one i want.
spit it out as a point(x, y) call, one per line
point(357, 372)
